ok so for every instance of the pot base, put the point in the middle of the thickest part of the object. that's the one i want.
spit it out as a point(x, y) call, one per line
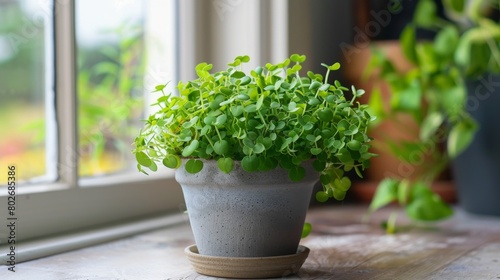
point(261, 267)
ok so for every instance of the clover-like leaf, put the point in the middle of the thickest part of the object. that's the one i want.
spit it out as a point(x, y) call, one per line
point(334, 67)
point(143, 159)
point(188, 150)
point(226, 165)
point(221, 147)
point(322, 196)
point(250, 163)
point(172, 161)
point(194, 166)
point(297, 173)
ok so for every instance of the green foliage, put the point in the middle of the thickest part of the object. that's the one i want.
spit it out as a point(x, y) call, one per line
point(434, 93)
point(306, 230)
point(420, 202)
point(269, 117)
point(109, 83)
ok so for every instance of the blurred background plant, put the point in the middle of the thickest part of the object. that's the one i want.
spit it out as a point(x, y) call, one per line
point(433, 92)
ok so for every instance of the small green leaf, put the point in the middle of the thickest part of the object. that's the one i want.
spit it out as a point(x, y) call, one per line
point(188, 150)
point(339, 194)
point(408, 43)
point(325, 179)
point(297, 173)
point(237, 110)
point(461, 135)
point(194, 166)
point(143, 159)
point(408, 99)
point(259, 148)
point(335, 66)
point(430, 125)
point(403, 192)
point(250, 163)
point(387, 192)
point(359, 92)
point(358, 172)
point(160, 87)
point(428, 209)
point(172, 161)
point(242, 96)
point(238, 75)
point(325, 115)
point(259, 102)
point(209, 120)
point(221, 147)
point(455, 5)
point(153, 166)
point(344, 183)
point(316, 151)
point(221, 120)
point(446, 41)
point(319, 165)
point(251, 108)
point(226, 165)
point(245, 81)
point(321, 196)
point(425, 13)
point(314, 101)
point(354, 145)
point(249, 143)
point(324, 87)
point(306, 230)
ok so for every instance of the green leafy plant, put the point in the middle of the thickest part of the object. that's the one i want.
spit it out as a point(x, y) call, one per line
point(267, 118)
point(434, 93)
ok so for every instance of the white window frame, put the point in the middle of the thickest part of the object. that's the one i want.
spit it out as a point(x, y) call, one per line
point(71, 204)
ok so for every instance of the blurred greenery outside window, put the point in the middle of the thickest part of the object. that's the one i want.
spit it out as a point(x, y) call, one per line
point(27, 120)
point(111, 55)
point(110, 84)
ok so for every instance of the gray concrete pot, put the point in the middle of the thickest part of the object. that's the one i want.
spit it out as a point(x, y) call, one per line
point(244, 214)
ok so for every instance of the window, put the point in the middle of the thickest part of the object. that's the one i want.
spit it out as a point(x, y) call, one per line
point(110, 83)
point(73, 86)
point(26, 75)
point(87, 71)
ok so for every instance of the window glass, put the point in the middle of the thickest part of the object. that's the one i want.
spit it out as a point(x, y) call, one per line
point(111, 61)
point(27, 114)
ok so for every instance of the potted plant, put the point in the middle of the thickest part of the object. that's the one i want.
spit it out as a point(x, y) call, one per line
point(377, 30)
point(434, 92)
point(248, 148)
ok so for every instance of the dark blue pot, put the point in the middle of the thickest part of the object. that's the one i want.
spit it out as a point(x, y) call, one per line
point(477, 169)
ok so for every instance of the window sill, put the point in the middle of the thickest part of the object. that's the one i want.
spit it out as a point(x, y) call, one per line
point(39, 248)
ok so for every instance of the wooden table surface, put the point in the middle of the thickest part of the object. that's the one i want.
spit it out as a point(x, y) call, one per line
point(465, 247)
